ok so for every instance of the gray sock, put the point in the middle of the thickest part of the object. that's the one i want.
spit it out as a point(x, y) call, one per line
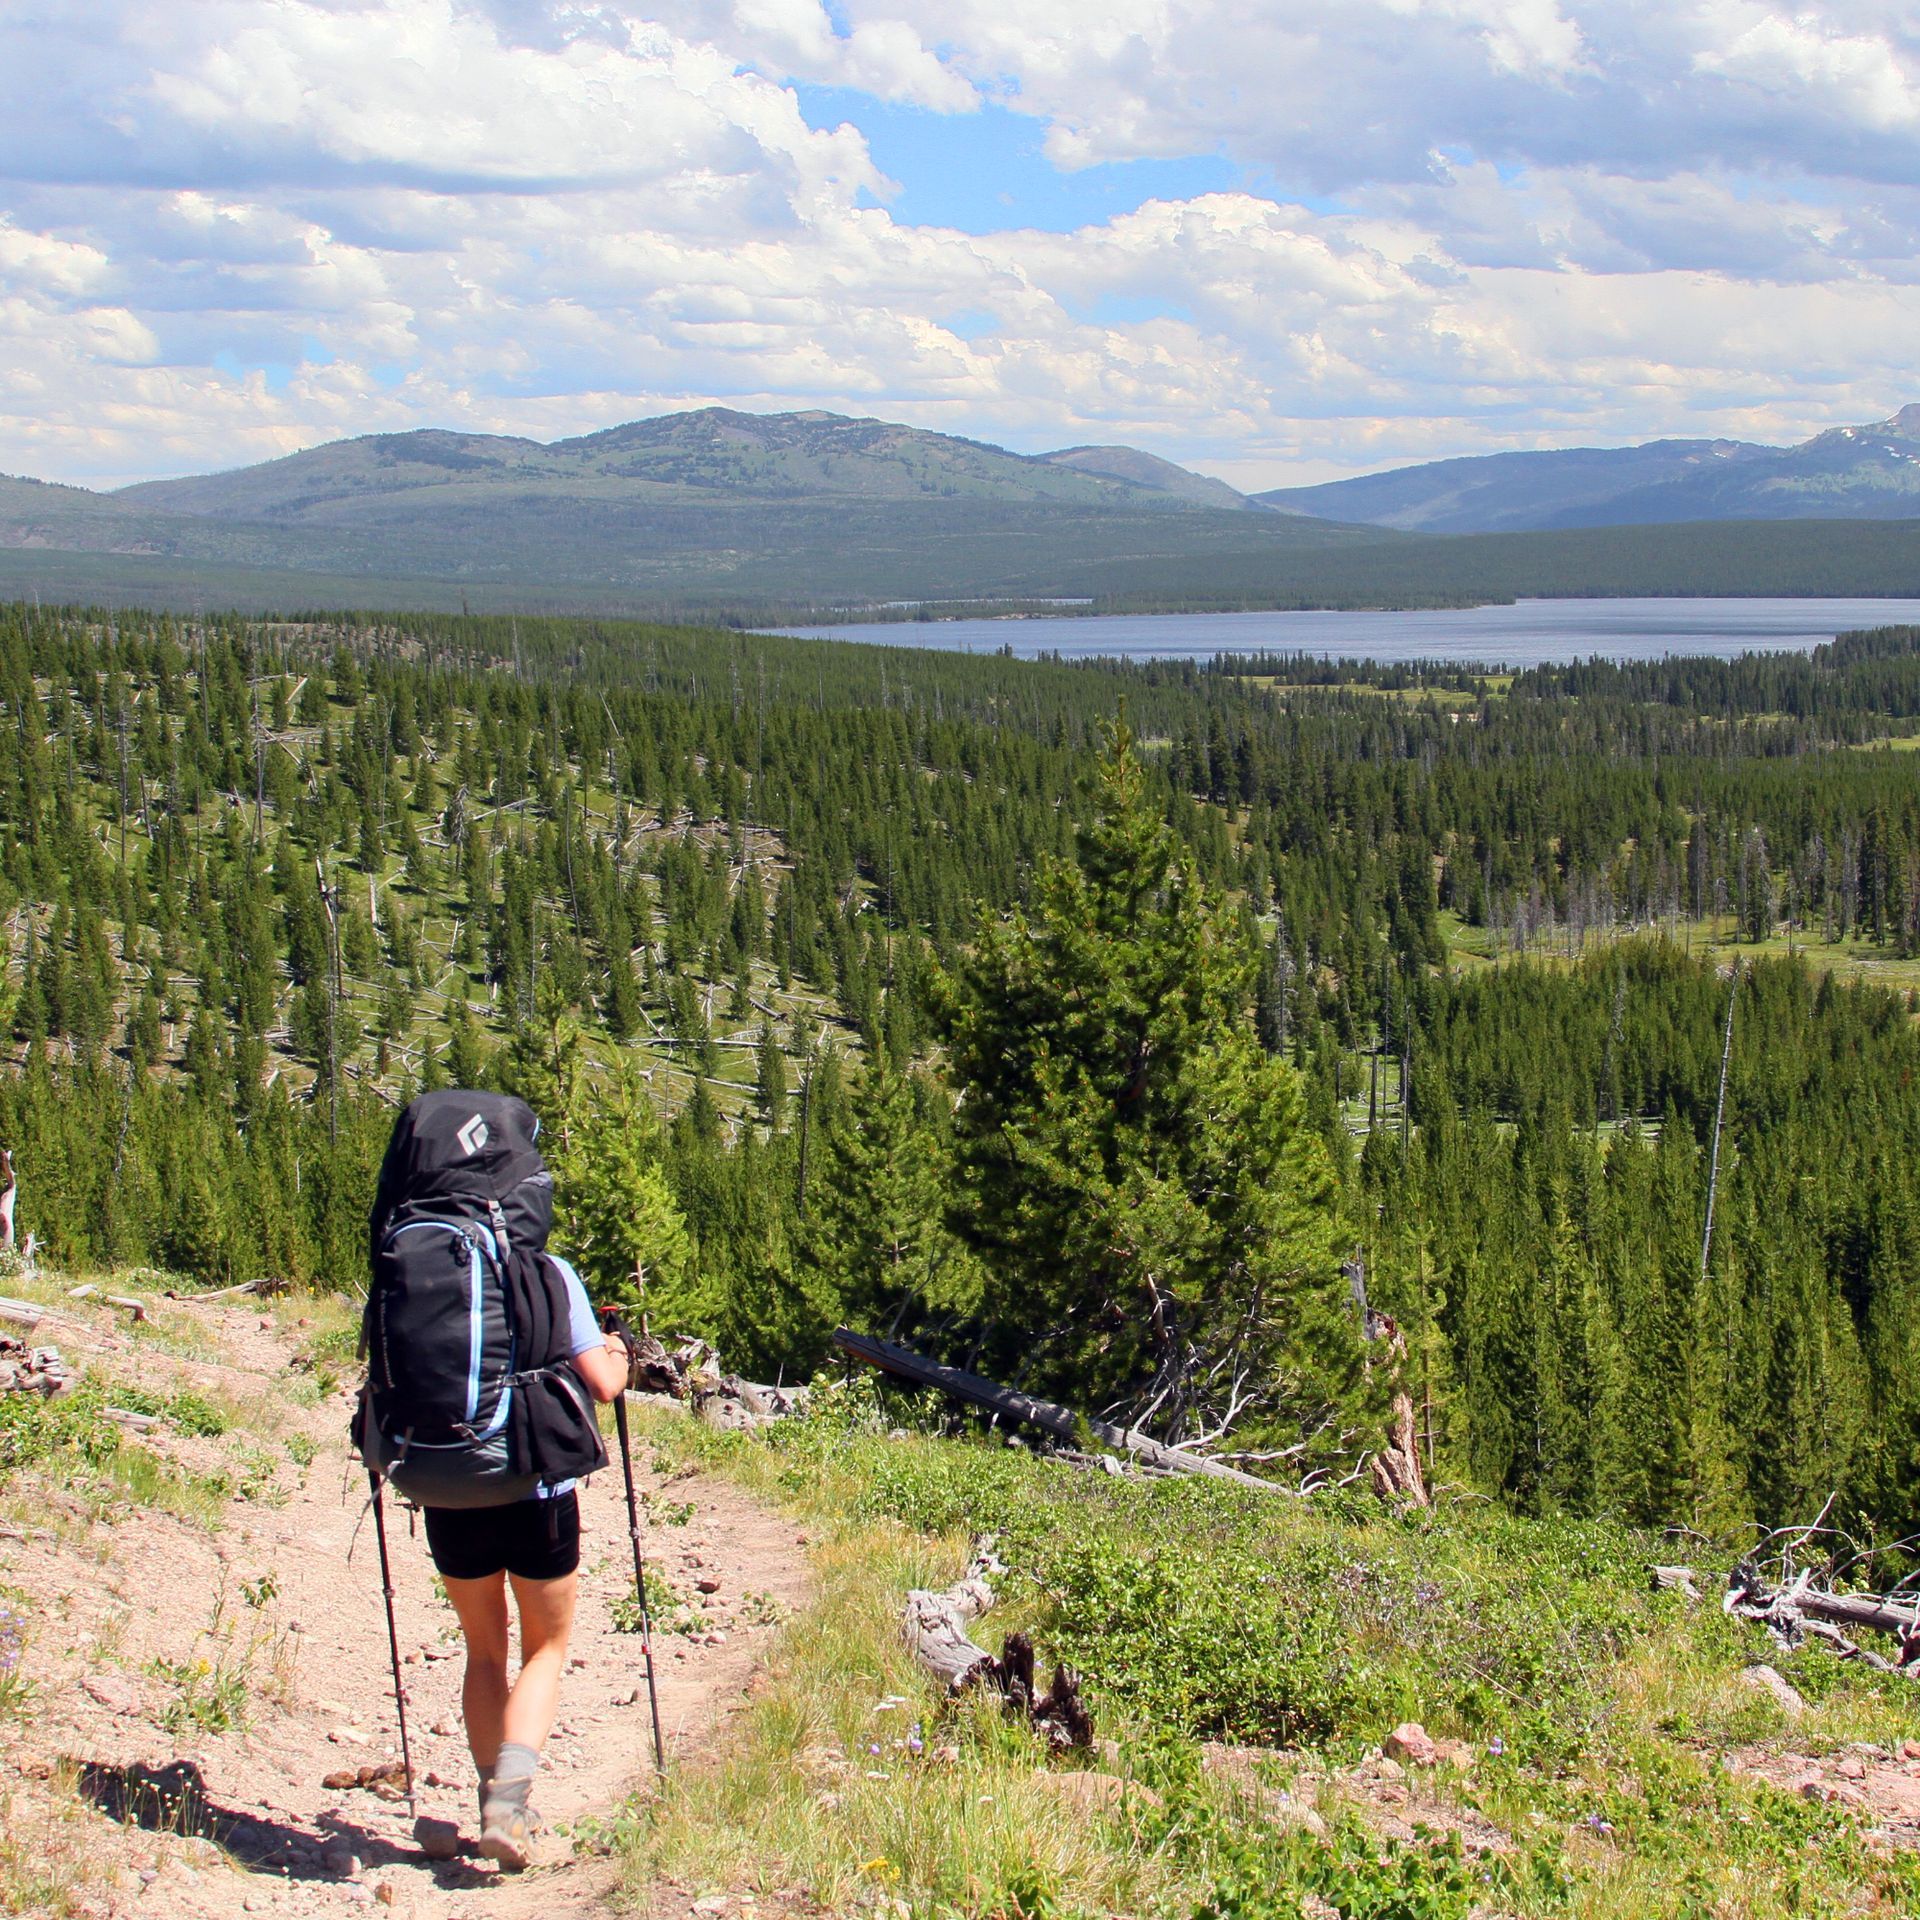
point(512, 1779)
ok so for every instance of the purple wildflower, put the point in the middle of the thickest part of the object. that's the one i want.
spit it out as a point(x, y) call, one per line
point(13, 1639)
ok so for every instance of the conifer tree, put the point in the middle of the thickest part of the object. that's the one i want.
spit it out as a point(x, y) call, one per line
point(1157, 1220)
point(619, 1221)
point(770, 1079)
point(877, 1234)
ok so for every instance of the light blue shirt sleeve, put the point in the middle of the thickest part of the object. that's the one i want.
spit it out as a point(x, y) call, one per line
point(583, 1328)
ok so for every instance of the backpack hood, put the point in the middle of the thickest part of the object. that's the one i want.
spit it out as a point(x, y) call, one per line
point(464, 1153)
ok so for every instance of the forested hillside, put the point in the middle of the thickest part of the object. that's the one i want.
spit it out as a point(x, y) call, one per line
point(710, 512)
point(769, 519)
point(1450, 951)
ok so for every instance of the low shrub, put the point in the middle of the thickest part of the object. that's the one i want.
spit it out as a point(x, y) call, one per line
point(1267, 1620)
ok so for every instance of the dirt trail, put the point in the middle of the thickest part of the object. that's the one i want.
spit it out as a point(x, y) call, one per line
point(300, 1616)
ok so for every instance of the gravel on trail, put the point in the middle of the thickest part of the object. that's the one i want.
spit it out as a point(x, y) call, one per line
point(281, 1601)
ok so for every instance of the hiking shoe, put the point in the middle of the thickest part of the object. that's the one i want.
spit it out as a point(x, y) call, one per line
point(506, 1834)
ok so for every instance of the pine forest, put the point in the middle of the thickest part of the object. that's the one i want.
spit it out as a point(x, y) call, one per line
point(1111, 1028)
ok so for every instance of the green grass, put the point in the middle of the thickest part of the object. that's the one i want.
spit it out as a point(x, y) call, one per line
point(184, 1411)
point(1181, 1600)
point(69, 1443)
point(51, 1867)
point(1597, 1711)
point(1455, 699)
point(669, 1609)
point(848, 1778)
point(239, 1657)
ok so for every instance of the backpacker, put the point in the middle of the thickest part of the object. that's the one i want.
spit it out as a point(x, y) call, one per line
point(469, 1400)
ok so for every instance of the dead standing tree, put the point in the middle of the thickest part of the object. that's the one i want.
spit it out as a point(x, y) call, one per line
point(1395, 1469)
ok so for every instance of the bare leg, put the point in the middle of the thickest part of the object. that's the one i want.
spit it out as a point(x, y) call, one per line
point(482, 1609)
point(524, 1711)
point(546, 1621)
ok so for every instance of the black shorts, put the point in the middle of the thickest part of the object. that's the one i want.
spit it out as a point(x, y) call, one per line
point(531, 1539)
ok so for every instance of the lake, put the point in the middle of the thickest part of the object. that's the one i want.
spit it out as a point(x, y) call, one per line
point(1521, 635)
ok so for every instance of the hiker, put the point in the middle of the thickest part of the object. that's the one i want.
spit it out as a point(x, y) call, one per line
point(483, 1353)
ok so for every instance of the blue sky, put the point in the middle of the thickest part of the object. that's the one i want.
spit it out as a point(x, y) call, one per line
point(1273, 240)
point(987, 170)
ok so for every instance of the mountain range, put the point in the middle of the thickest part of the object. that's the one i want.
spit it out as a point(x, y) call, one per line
point(678, 457)
point(1849, 473)
point(708, 510)
point(724, 513)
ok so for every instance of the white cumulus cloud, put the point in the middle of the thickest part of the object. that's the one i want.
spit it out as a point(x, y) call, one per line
point(235, 227)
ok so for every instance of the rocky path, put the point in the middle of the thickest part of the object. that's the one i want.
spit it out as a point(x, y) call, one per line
point(148, 1632)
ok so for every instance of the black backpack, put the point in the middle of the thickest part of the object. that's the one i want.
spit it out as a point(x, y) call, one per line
point(470, 1399)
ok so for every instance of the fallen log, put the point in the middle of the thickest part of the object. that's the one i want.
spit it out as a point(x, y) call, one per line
point(691, 1372)
point(1678, 1580)
point(935, 1626)
point(1050, 1417)
point(1870, 1610)
point(651, 1368)
point(736, 1403)
point(1803, 1611)
point(1846, 1649)
point(221, 1293)
point(25, 1369)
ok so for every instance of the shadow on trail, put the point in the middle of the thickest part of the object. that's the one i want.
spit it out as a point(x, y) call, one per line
point(175, 1799)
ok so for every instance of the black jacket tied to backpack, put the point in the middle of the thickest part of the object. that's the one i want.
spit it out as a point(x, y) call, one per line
point(471, 1399)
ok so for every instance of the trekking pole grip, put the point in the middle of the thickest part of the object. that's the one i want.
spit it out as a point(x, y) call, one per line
point(613, 1321)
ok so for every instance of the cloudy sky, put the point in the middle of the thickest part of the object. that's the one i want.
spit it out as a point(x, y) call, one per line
point(1278, 240)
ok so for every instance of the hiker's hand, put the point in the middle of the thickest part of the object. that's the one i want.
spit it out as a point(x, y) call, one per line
point(622, 1346)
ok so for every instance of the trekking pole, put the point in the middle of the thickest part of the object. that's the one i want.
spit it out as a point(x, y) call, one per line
point(614, 1324)
point(393, 1637)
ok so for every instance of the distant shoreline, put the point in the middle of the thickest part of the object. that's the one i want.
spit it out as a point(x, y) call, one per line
point(1494, 636)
